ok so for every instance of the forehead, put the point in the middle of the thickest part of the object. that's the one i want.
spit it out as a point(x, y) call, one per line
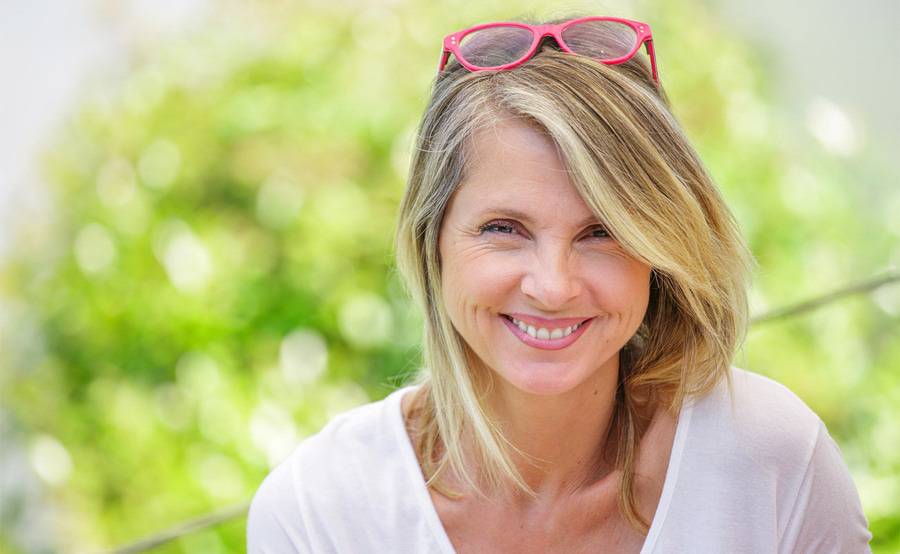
point(512, 145)
point(514, 166)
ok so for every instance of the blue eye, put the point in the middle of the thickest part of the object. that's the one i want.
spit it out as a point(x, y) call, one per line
point(504, 227)
point(498, 227)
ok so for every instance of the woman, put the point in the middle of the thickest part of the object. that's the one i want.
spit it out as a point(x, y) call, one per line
point(584, 291)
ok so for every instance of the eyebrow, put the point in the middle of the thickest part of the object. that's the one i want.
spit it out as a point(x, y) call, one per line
point(516, 214)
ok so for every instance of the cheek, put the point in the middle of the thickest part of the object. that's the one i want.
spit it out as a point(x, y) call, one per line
point(622, 283)
point(477, 280)
point(636, 293)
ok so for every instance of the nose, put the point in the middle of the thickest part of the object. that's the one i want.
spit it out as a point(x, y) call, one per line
point(552, 280)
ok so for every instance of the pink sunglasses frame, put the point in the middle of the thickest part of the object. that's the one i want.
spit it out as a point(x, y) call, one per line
point(642, 30)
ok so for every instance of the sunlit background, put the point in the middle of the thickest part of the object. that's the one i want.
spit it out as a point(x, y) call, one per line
point(197, 201)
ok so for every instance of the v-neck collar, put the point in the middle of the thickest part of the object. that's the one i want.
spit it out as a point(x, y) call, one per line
point(427, 508)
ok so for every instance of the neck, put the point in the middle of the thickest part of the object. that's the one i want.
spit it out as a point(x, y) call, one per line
point(562, 437)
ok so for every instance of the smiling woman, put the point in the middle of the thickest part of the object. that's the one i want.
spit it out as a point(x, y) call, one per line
point(584, 288)
point(503, 277)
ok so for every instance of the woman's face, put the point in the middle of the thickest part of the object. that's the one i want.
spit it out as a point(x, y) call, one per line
point(517, 241)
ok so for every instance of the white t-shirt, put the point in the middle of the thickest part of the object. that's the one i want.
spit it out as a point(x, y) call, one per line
point(760, 474)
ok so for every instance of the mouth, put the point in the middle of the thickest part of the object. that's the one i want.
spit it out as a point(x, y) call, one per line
point(545, 338)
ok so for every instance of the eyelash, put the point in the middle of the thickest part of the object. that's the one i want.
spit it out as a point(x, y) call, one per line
point(509, 224)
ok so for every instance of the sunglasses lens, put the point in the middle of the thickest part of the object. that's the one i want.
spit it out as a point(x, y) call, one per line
point(599, 39)
point(495, 46)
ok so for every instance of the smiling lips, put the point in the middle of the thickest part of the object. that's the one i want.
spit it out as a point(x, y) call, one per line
point(547, 334)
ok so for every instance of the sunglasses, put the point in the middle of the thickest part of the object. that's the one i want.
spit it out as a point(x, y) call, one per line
point(497, 46)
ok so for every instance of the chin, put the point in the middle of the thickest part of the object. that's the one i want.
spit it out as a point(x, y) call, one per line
point(543, 379)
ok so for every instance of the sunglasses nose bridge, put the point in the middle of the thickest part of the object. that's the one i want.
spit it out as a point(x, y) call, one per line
point(545, 32)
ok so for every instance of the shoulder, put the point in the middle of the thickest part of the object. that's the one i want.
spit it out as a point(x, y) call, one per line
point(345, 447)
point(764, 453)
point(273, 521)
point(326, 479)
point(769, 401)
point(758, 419)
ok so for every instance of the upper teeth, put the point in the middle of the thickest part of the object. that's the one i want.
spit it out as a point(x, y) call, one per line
point(543, 332)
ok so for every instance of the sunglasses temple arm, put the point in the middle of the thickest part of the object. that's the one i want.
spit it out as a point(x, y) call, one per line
point(649, 44)
point(445, 55)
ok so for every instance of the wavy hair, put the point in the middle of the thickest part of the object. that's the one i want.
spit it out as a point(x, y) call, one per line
point(633, 166)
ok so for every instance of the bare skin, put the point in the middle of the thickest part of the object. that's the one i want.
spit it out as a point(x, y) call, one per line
point(585, 519)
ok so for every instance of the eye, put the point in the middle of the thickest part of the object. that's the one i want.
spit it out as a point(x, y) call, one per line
point(498, 226)
point(599, 232)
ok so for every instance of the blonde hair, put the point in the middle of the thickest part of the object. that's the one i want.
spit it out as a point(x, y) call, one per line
point(634, 168)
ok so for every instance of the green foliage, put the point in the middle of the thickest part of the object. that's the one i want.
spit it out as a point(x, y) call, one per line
point(218, 283)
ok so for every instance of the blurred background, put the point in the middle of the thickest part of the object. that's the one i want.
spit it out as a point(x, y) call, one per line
point(197, 202)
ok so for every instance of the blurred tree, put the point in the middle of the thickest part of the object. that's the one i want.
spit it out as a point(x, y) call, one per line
point(218, 283)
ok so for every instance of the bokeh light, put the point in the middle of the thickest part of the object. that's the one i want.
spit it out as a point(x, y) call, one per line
point(216, 282)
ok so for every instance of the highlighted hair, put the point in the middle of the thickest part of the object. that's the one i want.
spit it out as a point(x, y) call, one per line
point(635, 169)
